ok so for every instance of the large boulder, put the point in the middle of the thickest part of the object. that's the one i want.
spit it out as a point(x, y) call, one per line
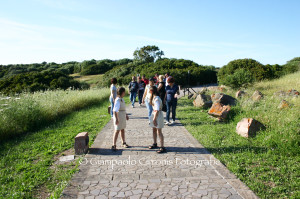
point(257, 95)
point(293, 93)
point(219, 110)
point(248, 127)
point(240, 93)
point(202, 101)
point(283, 104)
point(223, 99)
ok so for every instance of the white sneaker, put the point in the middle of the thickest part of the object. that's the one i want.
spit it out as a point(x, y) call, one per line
point(173, 121)
point(132, 106)
point(167, 123)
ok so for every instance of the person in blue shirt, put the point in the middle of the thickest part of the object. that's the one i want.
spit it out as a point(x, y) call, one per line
point(172, 92)
point(133, 89)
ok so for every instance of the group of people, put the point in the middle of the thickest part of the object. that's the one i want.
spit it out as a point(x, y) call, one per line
point(159, 94)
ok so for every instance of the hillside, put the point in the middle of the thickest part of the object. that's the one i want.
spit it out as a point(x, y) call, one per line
point(92, 80)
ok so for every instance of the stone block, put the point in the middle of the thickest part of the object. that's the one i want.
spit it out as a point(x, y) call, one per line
point(81, 143)
point(248, 127)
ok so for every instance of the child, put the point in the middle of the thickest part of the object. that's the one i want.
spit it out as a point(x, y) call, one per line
point(119, 118)
point(157, 120)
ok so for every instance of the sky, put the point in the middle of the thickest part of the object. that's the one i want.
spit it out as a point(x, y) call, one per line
point(209, 32)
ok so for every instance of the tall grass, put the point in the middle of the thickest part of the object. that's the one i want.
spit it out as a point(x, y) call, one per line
point(30, 111)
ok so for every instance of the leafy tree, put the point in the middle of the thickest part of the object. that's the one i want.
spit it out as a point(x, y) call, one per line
point(258, 70)
point(148, 54)
point(241, 78)
point(178, 68)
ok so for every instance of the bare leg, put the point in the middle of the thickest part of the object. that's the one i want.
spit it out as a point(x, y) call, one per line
point(154, 135)
point(123, 135)
point(115, 137)
point(161, 137)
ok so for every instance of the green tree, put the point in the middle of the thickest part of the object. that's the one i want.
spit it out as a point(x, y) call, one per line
point(258, 70)
point(241, 78)
point(148, 53)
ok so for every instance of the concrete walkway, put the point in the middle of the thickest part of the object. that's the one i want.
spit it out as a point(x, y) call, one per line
point(187, 170)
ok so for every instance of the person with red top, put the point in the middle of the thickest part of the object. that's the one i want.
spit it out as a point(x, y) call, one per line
point(156, 81)
point(145, 80)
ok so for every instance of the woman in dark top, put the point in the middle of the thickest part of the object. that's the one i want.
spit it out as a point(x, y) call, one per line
point(161, 88)
point(172, 91)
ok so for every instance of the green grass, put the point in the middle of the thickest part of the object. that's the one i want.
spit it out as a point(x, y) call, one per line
point(25, 161)
point(93, 80)
point(31, 111)
point(267, 163)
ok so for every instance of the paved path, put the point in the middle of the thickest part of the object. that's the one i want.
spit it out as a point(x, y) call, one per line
point(187, 170)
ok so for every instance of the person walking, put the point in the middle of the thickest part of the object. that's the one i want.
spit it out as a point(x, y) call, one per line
point(146, 98)
point(119, 118)
point(157, 120)
point(141, 90)
point(133, 88)
point(172, 92)
point(113, 94)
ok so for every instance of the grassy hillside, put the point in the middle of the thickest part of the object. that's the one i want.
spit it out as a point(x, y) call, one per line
point(92, 80)
point(267, 163)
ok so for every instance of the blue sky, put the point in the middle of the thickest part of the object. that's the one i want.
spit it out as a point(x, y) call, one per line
point(209, 32)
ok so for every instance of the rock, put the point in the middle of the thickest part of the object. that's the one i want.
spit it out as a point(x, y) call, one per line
point(202, 101)
point(81, 143)
point(257, 96)
point(283, 104)
point(280, 93)
point(240, 93)
point(219, 110)
point(66, 158)
point(293, 92)
point(223, 99)
point(248, 127)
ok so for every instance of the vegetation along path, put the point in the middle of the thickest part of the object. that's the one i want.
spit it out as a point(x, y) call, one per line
point(187, 170)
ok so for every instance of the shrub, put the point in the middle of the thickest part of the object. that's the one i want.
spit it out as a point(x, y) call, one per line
point(36, 81)
point(240, 78)
point(258, 70)
point(292, 66)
